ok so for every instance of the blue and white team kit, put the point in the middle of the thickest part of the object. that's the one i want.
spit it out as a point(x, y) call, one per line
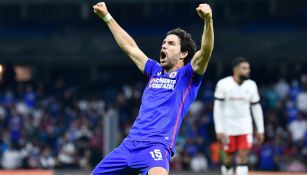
point(151, 141)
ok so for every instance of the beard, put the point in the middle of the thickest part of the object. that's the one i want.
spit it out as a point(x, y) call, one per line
point(167, 64)
point(244, 77)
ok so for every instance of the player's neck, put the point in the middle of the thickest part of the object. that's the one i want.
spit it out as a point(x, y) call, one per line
point(174, 68)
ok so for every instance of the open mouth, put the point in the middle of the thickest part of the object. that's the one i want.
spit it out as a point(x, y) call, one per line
point(162, 56)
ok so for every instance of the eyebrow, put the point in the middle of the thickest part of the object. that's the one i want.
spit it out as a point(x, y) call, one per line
point(169, 41)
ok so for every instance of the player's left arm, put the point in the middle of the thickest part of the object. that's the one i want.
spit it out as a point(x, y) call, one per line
point(201, 58)
point(257, 112)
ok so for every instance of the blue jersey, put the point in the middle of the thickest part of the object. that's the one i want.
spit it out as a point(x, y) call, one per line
point(166, 100)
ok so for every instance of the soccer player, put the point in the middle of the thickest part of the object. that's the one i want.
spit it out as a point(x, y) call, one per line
point(236, 97)
point(172, 87)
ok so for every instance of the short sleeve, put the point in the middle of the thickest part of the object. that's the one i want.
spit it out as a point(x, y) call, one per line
point(219, 92)
point(189, 72)
point(151, 67)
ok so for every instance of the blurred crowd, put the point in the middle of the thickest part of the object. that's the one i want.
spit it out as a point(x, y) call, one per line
point(49, 127)
point(60, 126)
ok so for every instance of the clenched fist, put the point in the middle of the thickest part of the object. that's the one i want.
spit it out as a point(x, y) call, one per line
point(204, 11)
point(100, 9)
point(222, 138)
point(259, 138)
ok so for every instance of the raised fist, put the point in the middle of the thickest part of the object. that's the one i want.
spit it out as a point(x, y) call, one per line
point(101, 9)
point(204, 11)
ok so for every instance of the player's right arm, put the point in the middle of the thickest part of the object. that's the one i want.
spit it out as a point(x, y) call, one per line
point(218, 112)
point(123, 39)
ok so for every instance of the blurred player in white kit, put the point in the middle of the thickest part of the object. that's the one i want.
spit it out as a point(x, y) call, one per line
point(236, 101)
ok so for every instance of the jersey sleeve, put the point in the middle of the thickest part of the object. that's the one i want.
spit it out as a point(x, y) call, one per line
point(219, 92)
point(255, 98)
point(151, 67)
point(190, 73)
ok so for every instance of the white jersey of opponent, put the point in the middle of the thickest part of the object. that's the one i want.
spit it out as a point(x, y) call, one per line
point(233, 117)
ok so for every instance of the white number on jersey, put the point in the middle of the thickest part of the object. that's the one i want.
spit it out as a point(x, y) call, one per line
point(156, 154)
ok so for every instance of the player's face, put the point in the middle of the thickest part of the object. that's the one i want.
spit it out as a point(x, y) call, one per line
point(243, 70)
point(170, 52)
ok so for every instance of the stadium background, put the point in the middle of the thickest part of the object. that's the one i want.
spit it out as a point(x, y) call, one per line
point(68, 94)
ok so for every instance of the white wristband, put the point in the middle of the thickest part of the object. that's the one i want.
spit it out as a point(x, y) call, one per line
point(107, 18)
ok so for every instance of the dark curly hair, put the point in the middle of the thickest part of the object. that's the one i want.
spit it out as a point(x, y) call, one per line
point(186, 42)
point(238, 61)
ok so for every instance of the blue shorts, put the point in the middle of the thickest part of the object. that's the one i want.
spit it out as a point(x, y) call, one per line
point(133, 158)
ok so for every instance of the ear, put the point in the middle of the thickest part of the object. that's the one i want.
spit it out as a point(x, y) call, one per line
point(183, 55)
